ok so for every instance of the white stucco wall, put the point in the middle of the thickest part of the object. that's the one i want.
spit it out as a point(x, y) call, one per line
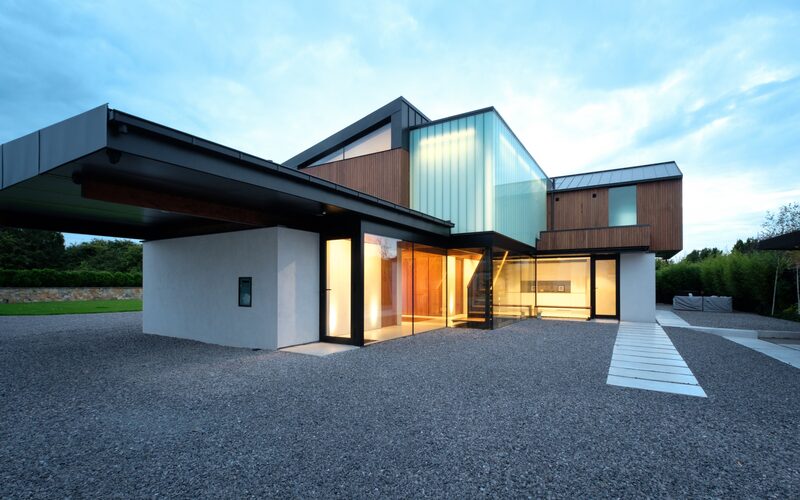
point(191, 288)
point(637, 287)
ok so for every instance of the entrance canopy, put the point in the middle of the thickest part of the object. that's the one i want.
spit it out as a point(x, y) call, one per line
point(110, 173)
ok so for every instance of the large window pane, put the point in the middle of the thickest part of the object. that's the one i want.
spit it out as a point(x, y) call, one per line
point(468, 280)
point(622, 206)
point(387, 286)
point(563, 287)
point(513, 290)
point(429, 288)
point(337, 285)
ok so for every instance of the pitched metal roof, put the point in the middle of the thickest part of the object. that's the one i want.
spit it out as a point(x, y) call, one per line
point(619, 176)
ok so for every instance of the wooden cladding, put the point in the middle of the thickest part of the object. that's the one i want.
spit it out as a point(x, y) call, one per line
point(384, 174)
point(595, 238)
point(660, 204)
point(578, 209)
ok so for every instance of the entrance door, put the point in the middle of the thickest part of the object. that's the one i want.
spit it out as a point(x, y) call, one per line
point(605, 299)
point(338, 291)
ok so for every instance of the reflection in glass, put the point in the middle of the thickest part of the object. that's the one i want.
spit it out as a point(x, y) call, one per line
point(563, 287)
point(337, 288)
point(622, 206)
point(387, 277)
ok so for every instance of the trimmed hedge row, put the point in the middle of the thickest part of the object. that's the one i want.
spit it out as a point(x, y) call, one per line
point(747, 278)
point(52, 277)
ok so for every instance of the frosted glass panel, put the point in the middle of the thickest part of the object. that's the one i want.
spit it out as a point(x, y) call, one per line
point(622, 206)
point(474, 172)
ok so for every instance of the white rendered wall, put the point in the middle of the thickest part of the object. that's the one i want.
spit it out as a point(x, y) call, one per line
point(191, 288)
point(637, 287)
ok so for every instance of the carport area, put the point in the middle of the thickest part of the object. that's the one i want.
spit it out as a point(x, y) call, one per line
point(91, 407)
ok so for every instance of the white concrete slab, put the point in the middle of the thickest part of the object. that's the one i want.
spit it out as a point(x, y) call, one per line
point(783, 354)
point(653, 385)
point(669, 318)
point(645, 358)
point(319, 348)
point(677, 378)
point(683, 370)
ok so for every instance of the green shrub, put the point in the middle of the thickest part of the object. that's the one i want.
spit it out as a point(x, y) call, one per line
point(746, 277)
point(52, 277)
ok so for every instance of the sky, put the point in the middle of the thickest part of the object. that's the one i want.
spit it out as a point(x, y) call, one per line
point(714, 86)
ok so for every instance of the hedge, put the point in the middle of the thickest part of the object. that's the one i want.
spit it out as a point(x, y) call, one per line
point(747, 278)
point(52, 277)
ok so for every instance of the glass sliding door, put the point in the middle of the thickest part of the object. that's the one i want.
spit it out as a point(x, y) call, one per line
point(605, 287)
point(387, 281)
point(513, 290)
point(337, 288)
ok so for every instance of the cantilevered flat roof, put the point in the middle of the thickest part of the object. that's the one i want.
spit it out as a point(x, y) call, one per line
point(107, 172)
point(787, 241)
point(618, 177)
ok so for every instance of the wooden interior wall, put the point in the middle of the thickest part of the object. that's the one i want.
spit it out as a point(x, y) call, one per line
point(578, 209)
point(660, 204)
point(384, 174)
point(428, 285)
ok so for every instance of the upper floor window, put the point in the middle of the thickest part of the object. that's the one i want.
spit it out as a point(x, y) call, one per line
point(374, 142)
point(622, 206)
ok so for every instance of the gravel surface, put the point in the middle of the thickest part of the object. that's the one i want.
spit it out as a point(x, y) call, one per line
point(742, 321)
point(93, 408)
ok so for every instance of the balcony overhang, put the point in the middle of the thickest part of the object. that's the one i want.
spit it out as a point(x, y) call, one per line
point(619, 238)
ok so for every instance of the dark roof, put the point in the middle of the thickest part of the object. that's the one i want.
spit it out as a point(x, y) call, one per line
point(400, 113)
point(44, 177)
point(618, 177)
point(788, 241)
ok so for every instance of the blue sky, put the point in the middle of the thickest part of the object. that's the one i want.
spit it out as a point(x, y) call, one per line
point(586, 86)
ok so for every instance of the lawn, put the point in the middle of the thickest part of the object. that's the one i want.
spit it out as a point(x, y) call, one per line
point(70, 307)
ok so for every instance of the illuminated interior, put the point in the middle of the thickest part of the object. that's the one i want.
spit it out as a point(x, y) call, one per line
point(513, 287)
point(605, 287)
point(337, 294)
point(411, 288)
point(563, 287)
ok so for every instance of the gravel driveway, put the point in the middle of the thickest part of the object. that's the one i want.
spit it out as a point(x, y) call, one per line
point(93, 408)
point(738, 320)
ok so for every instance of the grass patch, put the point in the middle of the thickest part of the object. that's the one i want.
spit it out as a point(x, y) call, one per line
point(70, 307)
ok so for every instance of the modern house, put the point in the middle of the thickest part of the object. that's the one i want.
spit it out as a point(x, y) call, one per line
point(395, 225)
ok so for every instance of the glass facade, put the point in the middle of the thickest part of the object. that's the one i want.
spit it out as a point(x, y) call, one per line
point(563, 287)
point(622, 206)
point(474, 172)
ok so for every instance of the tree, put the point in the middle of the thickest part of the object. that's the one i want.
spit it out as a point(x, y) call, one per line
point(785, 220)
point(749, 245)
point(696, 256)
point(105, 255)
point(30, 249)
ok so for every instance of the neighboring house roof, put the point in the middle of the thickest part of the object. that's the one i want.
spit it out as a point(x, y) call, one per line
point(618, 177)
point(788, 241)
point(400, 113)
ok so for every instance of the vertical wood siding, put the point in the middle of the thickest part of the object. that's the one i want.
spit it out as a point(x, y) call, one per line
point(384, 174)
point(660, 204)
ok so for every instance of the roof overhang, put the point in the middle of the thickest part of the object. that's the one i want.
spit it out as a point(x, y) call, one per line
point(110, 173)
point(788, 241)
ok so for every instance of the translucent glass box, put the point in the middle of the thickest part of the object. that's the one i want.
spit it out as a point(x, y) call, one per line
point(474, 172)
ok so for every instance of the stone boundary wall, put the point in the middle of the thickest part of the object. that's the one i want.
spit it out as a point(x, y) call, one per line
point(15, 295)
